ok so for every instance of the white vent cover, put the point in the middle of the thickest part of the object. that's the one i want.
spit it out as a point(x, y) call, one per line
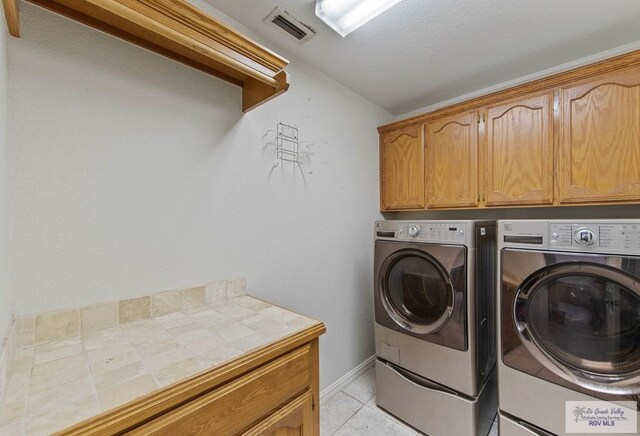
point(287, 23)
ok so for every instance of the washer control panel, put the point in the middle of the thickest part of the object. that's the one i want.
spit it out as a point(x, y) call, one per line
point(454, 232)
point(433, 232)
point(618, 236)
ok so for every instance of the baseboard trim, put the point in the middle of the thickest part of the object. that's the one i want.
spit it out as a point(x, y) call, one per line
point(343, 381)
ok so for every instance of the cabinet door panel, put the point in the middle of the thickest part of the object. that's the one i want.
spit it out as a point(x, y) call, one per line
point(519, 140)
point(452, 161)
point(599, 157)
point(402, 169)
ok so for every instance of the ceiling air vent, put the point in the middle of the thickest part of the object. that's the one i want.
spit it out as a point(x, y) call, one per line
point(288, 23)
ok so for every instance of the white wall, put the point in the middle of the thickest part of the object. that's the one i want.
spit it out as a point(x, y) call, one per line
point(131, 173)
point(5, 301)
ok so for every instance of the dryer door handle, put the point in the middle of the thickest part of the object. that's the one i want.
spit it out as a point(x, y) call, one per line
point(426, 384)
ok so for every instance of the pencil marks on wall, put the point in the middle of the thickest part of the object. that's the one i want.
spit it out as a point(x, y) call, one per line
point(288, 150)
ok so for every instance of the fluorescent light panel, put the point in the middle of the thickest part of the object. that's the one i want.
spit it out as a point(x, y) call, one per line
point(345, 16)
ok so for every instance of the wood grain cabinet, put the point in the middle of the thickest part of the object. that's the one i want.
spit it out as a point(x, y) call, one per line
point(568, 139)
point(452, 161)
point(402, 176)
point(226, 411)
point(599, 150)
point(295, 419)
point(272, 390)
point(519, 152)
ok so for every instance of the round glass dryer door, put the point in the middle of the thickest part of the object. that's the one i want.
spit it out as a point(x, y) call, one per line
point(582, 321)
point(416, 291)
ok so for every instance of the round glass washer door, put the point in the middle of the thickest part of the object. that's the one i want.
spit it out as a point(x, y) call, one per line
point(582, 321)
point(416, 291)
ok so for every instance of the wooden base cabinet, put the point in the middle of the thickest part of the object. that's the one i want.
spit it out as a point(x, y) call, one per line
point(295, 419)
point(273, 390)
point(228, 410)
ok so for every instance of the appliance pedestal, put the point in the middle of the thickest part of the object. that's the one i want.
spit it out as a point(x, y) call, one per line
point(432, 408)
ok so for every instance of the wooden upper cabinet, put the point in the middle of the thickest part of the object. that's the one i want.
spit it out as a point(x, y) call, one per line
point(402, 169)
point(599, 155)
point(519, 152)
point(452, 161)
point(567, 139)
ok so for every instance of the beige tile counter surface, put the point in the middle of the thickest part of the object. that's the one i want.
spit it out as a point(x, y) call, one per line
point(62, 382)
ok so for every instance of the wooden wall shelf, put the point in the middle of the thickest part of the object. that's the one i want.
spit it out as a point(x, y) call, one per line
point(180, 31)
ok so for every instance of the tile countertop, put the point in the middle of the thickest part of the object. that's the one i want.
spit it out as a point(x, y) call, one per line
point(61, 383)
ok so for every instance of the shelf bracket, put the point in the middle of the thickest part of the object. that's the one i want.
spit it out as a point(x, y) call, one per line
point(255, 93)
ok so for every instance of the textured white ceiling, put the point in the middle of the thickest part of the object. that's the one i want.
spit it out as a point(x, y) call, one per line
point(421, 52)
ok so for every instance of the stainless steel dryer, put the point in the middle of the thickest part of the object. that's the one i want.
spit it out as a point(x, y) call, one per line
point(434, 324)
point(569, 319)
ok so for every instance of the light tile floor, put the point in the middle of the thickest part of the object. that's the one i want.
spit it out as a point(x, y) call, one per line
point(353, 412)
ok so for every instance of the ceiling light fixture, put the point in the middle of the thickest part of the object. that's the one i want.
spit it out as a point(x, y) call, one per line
point(345, 16)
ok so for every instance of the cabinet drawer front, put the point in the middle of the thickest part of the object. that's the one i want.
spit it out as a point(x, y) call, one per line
point(296, 418)
point(233, 407)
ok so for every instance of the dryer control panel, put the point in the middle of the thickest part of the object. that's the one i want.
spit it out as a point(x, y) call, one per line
point(620, 237)
point(589, 236)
